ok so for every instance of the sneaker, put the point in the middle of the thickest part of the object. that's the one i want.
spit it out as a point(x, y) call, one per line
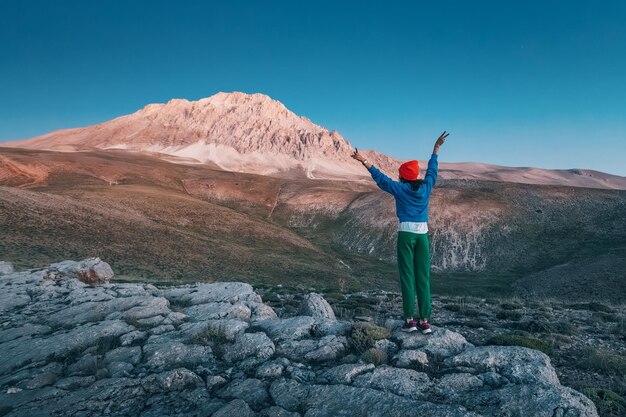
point(424, 326)
point(409, 326)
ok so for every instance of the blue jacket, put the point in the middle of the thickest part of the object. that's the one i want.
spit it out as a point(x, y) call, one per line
point(411, 205)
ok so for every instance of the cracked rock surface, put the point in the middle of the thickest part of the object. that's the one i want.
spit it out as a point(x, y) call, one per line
point(74, 344)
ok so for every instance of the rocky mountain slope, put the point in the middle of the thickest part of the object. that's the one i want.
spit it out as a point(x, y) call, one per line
point(71, 348)
point(253, 133)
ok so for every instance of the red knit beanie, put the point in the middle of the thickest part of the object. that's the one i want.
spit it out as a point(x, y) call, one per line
point(409, 170)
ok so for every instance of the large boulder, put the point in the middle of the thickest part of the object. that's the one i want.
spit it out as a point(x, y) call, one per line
point(92, 271)
point(519, 365)
point(315, 305)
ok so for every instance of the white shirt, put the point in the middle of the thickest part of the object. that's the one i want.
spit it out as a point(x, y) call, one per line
point(413, 227)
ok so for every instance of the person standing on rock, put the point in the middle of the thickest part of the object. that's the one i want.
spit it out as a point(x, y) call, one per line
point(412, 196)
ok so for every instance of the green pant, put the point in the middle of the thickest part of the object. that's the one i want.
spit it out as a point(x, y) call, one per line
point(414, 268)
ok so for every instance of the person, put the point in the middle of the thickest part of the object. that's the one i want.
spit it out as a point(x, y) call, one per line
point(412, 196)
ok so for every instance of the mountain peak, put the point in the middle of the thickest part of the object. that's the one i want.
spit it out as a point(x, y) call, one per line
point(237, 131)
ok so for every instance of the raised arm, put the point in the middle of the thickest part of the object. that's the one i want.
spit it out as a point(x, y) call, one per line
point(431, 173)
point(384, 182)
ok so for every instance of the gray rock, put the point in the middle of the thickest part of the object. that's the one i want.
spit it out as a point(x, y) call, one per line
point(328, 348)
point(518, 364)
point(261, 311)
point(218, 292)
point(27, 329)
point(316, 306)
point(116, 370)
point(60, 344)
point(276, 411)
point(442, 343)
point(386, 346)
point(130, 355)
point(215, 381)
point(288, 394)
point(453, 385)
point(42, 379)
point(405, 382)
point(246, 345)
point(530, 400)
point(74, 382)
point(292, 328)
point(344, 400)
point(179, 379)
point(162, 329)
point(410, 359)
point(226, 329)
point(270, 370)
point(133, 338)
point(176, 355)
point(150, 322)
point(6, 268)
point(325, 327)
point(157, 306)
point(493, 379)
point(252, 391)
point(91, 271)
point(237, 408)
point(213, 311)
point(343, 374)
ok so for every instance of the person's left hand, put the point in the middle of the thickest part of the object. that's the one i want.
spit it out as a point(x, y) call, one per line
point(356, 155)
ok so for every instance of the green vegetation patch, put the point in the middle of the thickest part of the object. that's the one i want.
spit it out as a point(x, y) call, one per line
point(520, 340)
point(375, 356)
point(547, 326)
point(608, 403)
point(508, 315)
point(602, 361)
point(364, 335)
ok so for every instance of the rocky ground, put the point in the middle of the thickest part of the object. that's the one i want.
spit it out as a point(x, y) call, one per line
point(584, 340)
point(74, 344)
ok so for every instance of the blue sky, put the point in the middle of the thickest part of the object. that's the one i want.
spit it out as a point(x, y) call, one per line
point(519, 83)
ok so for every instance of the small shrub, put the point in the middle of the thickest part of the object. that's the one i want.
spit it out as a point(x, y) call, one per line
point(510, 306)
point(271, 298)
point(605, 317)
point(593, 306)
point(508, 315)
point(475, 324)
point(472, 312)
point(603, 362)
point(375, 356)
point(608, 403)
point(547, 326)
point(519, 340)
point(620, 329)
point(364, 335)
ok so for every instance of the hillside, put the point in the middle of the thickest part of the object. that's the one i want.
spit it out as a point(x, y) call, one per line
point(170, 222)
